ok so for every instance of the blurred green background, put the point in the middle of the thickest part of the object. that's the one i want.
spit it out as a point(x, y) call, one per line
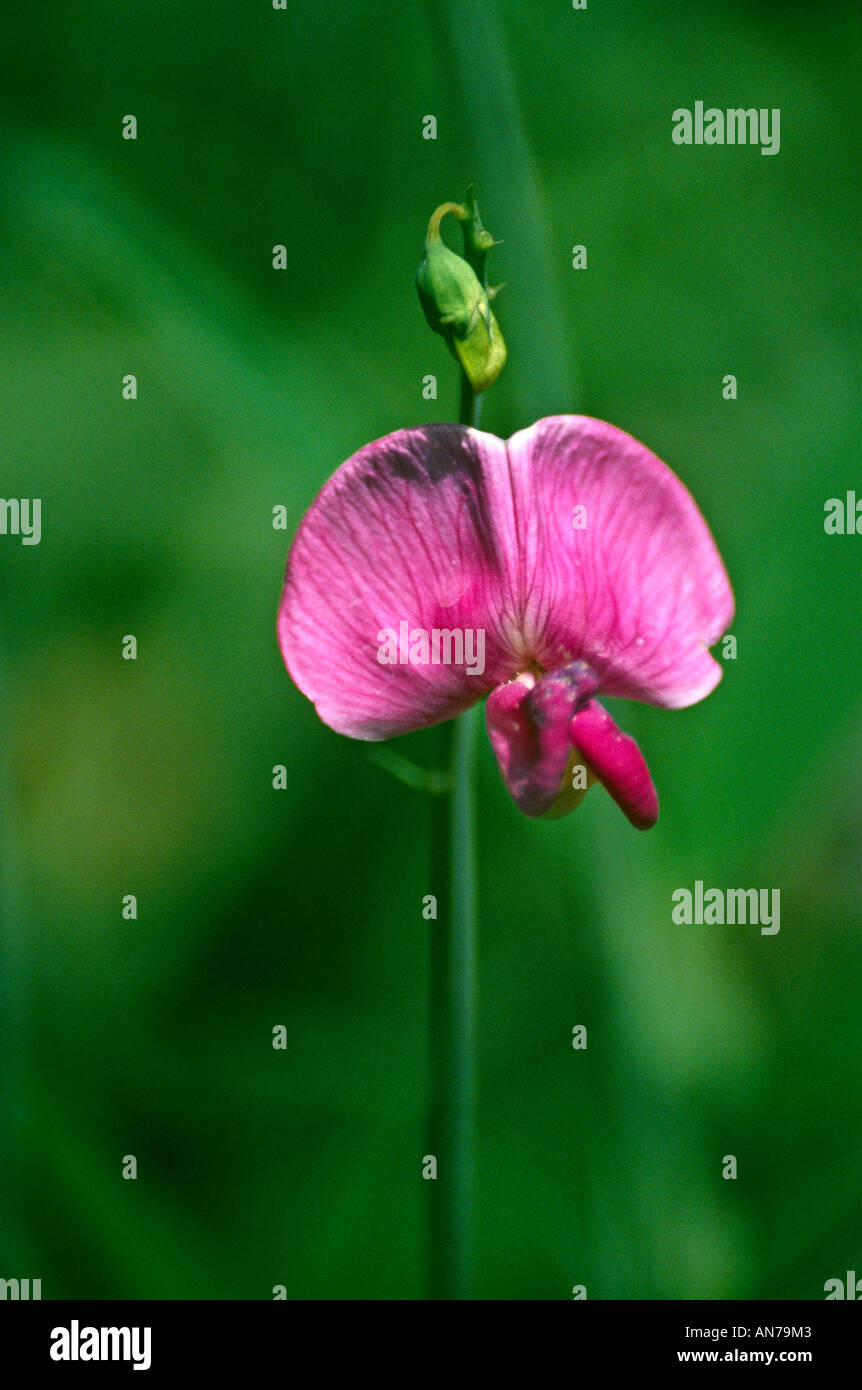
point(302, 907)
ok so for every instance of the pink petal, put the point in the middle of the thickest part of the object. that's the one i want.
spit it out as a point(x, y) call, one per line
point(403, 532)
point(640, 592)
point(617, 762)
point(528, 725)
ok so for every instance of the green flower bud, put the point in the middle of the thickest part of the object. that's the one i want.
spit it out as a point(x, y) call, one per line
point(457, 305)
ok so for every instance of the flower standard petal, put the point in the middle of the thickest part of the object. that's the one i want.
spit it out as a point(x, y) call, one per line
point(402, 541)
point(633, 583)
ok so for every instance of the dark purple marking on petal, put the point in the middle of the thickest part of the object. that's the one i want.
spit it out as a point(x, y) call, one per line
point(528, 726)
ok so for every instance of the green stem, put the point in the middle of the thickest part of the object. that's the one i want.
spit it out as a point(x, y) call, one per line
point(453, 1017)
point(453, 997)
point(470, 410)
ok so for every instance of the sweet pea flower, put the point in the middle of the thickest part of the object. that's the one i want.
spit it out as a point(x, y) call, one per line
point(565, 563)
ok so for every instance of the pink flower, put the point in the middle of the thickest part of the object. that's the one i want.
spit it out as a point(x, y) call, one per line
point(565, 563)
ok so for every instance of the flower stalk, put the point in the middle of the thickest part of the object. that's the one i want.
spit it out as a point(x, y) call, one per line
point(453, 1006)
point(454, 940)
